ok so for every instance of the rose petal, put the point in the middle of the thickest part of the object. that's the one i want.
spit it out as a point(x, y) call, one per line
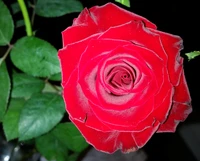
point(87, 65)
point(97, 48)
point(77, 104)
point(154, 63)
point(126, 142)
point(108, 142)
point(138, 34)
point(83, 27)
point(178, 114)
point(102, 141)
point(145, 88)
point(161, 112)
point(181, 91)
point(172, 45)
point(111, 15)
point(69, 57)
point(128, 119)
point(141, 138)
point(75, 34)
point(90, 22)
point(181, 107)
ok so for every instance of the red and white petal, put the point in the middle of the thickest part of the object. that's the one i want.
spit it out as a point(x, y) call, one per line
point(77, 104)
point(138, 34)
point(172, 45)
point(75, 34)
point(110, 15)
point(181, 107)
point(181, 93)
point(145, 84)
point(83, 27)
point(70, 56)
point(108, 142)
point(161, 112)
point(102, 141)
point(141, 138)
point(178, 113)
point(96, 48)
point(126, 120)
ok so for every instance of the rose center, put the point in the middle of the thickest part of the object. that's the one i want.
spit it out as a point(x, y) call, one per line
point(120, 79)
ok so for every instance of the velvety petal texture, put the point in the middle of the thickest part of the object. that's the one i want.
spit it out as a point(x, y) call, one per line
point(122, 79)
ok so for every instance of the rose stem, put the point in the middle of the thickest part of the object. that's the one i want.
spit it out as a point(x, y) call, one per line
point(26, 17)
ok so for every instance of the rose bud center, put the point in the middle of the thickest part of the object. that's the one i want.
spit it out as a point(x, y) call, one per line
point(119, 79)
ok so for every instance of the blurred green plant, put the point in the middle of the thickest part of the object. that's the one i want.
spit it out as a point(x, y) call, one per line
point(192, 55)
point(31, 105)
point(124, 2)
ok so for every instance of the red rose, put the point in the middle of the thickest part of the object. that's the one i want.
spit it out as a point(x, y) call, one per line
point(123, 80)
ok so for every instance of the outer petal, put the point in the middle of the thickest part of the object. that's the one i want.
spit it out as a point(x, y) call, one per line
point(137, 33)
point(172, 45)
point(107, 142)
point(126, 120)
point(111, 15)
point(178, 114)
point(97, 20)
point(181, 91)
point(77, 104)
point(84, 27)
point(69, 57)
point(181, 107)
point(102, 141)
point(97, 48)
point(141, 138)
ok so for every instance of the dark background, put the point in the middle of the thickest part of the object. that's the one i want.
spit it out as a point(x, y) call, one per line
point(173, 16)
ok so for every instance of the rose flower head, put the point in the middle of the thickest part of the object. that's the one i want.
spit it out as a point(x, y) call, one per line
point(122, 79)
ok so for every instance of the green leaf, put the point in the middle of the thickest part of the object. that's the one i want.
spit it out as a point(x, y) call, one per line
point(4, 89)
point(15, 7)
point(70, 136)
point(73, 157)
point(52, 89)
point(35, 57)
point(56, 77)
point(40, 114)
point(6, 25)
point(11, 119)
point(20, 23)
point(55, 8)
point(124, 2)
point(25, 85)
point(192, 55)
point(51, 147)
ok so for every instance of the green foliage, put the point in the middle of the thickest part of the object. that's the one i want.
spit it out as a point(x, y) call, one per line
point(192, 55)
point(55, 8)
point(6, 25)
point(71, 137)
point(5, 89)
point(11, 119)
point(51, 146)
point(56, 77)
point(15, 7)
point(25, 85)
point(124, 2)
point(73, 157)
point(35, 57)
point(55, 145)
point(31, 105)
point(40, 114)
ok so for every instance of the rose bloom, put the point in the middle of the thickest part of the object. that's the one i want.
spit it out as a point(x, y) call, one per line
point(123, 79)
